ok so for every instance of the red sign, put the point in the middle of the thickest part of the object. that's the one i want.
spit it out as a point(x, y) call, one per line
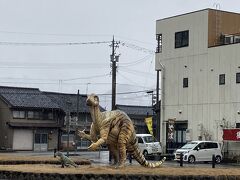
point(231, 134)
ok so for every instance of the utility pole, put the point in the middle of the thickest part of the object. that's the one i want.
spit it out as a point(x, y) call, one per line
point(77, 121)
point(68, 116)
point(114, 59)
point(68, 130)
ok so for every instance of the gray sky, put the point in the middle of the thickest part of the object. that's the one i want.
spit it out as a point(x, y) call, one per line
point(68, 68)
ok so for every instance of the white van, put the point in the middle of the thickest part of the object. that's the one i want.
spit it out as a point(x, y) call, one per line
point(199, 151)
point(148, 144)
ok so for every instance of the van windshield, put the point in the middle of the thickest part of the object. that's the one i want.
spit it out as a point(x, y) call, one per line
point(149, 139)
point(189, 145)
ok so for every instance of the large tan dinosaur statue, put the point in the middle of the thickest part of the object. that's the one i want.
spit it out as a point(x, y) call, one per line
point(115, 129)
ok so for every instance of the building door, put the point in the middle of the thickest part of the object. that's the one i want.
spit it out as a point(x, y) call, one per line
point(22, 139)
point(179, 137)
point(41, 142)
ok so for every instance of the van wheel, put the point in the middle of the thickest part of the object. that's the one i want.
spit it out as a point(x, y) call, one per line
point(191, 159)
point(218, 159)
point(145, 153)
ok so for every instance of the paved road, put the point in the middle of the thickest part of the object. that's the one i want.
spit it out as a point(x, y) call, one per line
point(102, 157)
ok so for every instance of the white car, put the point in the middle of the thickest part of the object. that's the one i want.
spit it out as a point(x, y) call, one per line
point(148, 144)
point(200, 151)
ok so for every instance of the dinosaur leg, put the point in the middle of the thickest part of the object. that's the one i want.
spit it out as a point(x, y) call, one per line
point(122, 154)
point(114, 152)
point(124, 137)
point(122, 141)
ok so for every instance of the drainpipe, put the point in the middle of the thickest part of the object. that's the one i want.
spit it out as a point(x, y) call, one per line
point(162, 102)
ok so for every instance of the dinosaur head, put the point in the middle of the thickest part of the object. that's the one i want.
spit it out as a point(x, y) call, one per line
point(92, 100)
point(58, 154)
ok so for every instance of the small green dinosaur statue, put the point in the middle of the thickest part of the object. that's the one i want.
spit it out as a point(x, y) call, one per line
point(65, 161)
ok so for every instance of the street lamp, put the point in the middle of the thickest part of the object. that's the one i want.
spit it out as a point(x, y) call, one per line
point(151, 93)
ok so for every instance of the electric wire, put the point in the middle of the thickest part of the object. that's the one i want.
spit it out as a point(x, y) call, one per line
point(135, 72)
point(130, 92)
point(136, 47)
point(129, 80)
point(136, 62)
point(52, 43)
point(55, 34)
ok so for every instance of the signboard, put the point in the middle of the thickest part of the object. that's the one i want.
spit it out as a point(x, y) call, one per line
point(231, 134)
point(148, 122)
point(171, 129)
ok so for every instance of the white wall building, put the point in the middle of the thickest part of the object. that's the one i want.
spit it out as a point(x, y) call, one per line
point(198, 54)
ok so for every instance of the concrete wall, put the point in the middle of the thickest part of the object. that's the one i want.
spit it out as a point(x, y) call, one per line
point(180, 63)
point(6, 133)
point(206, 105)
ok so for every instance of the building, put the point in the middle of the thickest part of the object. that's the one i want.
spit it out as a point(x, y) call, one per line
point(29, 120)
point(73, 104)
point(37, 121)
point(198, 56)
point(138, 115)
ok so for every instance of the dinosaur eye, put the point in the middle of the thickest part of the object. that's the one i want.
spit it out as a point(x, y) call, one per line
point(96, 98)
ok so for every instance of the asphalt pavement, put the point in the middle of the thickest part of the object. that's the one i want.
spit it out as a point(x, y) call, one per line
point(102, 158)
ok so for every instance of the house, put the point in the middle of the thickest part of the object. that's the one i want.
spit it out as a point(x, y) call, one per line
point(69, 103)
point(29, 120)
point(35, 120)
point(138, 114)
point(198, 56)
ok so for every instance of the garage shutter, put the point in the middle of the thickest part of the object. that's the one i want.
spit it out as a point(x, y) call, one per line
point(22, 139)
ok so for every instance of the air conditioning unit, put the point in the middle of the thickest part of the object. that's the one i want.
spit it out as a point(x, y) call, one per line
point(228, 39)
point(236, 39)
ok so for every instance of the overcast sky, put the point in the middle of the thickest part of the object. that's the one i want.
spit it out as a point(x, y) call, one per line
point(67, 68)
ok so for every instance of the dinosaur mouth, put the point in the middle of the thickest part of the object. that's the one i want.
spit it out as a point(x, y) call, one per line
point(88, 103)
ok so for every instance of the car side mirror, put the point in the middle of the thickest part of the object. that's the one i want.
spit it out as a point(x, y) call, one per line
point(196, 148)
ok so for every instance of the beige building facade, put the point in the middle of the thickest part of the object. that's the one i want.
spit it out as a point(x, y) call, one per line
point(198, 54)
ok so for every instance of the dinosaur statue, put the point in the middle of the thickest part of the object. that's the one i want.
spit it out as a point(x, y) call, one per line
point(115, 129)
point(65, 161)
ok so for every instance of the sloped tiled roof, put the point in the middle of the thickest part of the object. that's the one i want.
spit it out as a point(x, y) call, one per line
point(26, 98)
point(34, 98)
point(68, 102)
point(135, 110)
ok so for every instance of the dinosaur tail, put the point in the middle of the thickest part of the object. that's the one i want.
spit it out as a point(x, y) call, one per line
point(139, 157)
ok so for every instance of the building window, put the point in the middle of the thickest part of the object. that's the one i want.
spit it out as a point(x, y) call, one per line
point(50, 115)
point(41, 138)
point(221, 79)
point(181, 39)
point(33, 115)
point(238, 77)
point(159, 43)
point(47, 115)
point(18, 114)
point(185, 82)
point(237, 125)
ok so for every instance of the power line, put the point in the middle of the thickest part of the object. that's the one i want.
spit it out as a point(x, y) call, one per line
point(130, 92)
point(138, 48)
point(135, 72)
point(89, 77)
point(55, 34)
point(136, 62)
point(127, 78)
point(52, 44)
point(130, 39)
